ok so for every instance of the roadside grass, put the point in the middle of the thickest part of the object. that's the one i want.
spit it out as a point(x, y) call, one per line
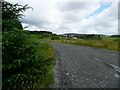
point(46, 51)
point(105, 42)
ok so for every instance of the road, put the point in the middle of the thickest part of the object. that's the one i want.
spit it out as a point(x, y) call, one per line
point(85, 67)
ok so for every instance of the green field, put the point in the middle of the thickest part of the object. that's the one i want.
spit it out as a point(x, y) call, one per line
point(106, 42)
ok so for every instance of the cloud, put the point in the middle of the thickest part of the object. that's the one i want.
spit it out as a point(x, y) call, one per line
point(71, 17)
point(77, 10)
point(70, 6)
point(104, 23)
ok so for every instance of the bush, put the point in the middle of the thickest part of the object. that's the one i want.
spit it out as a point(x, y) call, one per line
point(22, 66)
point(11, 14)
point(55, 37)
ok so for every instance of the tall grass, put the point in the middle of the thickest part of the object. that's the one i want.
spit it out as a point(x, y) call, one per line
point(107, 43)
point(47, 53)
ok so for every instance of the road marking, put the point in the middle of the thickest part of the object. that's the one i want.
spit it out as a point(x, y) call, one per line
point(116, 67)
point(111, 65)
point(116, 75)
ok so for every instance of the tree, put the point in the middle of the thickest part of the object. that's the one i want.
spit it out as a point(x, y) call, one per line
point(11, 15)
point(21, 64)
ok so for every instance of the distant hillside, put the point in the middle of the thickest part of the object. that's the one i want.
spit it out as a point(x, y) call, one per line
point(115, 36)
point(40, 32)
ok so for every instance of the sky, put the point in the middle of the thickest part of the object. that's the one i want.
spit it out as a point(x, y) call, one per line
point(71, 16)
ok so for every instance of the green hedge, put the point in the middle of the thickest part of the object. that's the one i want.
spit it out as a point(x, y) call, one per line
point(22, 66)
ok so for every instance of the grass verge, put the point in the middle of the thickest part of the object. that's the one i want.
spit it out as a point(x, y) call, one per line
point(111, 44)
point(46, 51)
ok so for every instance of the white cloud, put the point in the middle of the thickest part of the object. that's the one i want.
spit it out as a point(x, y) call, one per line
point(63, 17)
point(106, 22)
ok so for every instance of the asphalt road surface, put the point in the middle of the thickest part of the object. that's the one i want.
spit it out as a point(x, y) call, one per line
point(85, 67)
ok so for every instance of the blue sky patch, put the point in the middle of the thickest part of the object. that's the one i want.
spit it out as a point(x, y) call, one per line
point(102, 7)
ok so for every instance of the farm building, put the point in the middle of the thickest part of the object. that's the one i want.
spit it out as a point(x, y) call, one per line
point(82, 36)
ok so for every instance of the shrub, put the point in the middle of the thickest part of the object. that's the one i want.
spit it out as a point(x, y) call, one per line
point(55, 37)
point(22, 66)
point(11, 14)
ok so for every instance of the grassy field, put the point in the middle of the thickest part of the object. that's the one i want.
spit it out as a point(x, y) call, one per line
point(47, 53)
point(105, 42)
